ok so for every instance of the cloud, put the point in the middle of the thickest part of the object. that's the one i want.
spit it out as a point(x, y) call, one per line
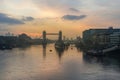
point(28, 18)
point(74, 17)
point(107, 2)
point(5, 19)
point(54, 8)
point(55, 3)
point(73, 10)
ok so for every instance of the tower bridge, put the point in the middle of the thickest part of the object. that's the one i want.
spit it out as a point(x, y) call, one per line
point(44, 34)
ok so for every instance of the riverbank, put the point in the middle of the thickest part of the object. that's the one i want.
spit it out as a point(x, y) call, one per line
point(23, 40)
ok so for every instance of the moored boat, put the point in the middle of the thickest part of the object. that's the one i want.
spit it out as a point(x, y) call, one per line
point(111, 51)
point(95, 52)
point(59, 44)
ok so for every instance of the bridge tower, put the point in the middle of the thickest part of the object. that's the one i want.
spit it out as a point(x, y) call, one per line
point(60, 36)
point(44, 37)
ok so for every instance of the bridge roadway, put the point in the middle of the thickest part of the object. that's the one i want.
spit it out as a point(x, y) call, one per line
point(52, 34)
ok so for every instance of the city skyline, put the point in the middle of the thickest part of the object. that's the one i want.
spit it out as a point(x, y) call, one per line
point(70, 16)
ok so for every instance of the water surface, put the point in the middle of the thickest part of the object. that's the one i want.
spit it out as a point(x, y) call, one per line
point(45, 63)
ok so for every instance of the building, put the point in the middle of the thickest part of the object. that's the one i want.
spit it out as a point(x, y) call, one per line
point(98, 36)
point(115, 38)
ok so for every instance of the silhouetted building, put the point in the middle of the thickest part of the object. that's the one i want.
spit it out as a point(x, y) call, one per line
point(115, 38)
point(24, 36)
point(98, 36)
point(23, 40)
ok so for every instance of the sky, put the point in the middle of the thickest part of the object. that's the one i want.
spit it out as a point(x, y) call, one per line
point(72, 17)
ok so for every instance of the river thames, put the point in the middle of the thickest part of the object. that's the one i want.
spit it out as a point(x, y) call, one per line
point(40, 63)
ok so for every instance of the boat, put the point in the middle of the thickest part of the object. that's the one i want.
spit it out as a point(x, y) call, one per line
point(4, 47)
point(59, 44)
point(66, 43)
point(95, 52)
point(110, 51)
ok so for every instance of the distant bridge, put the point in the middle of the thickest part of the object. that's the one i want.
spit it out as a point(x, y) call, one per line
point(45, 39)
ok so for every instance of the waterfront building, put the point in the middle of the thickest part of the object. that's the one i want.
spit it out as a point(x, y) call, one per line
point(98, 36)
point(115, 38)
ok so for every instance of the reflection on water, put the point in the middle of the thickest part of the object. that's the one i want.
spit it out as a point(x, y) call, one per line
point(44, 51)
point(48, 63)
point(106, 62)
point(59, 52)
